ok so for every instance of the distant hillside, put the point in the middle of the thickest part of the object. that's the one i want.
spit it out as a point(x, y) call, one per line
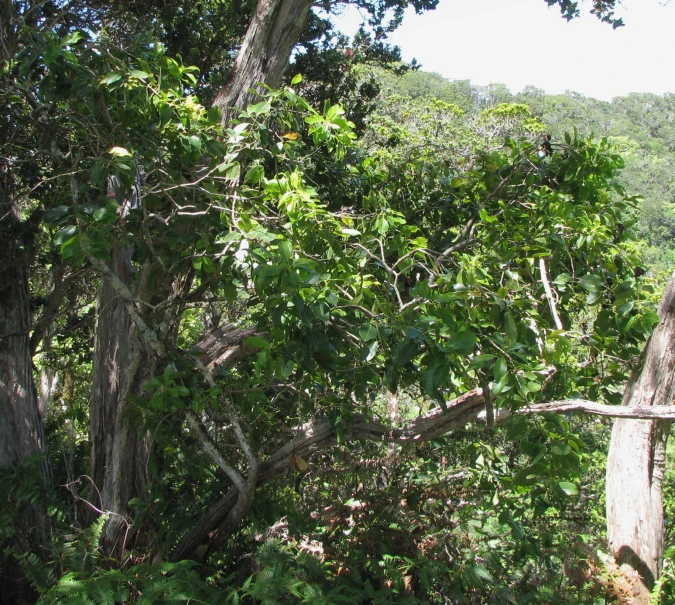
point(642, 126)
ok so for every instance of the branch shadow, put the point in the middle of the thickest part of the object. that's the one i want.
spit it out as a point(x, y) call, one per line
point(627, 556)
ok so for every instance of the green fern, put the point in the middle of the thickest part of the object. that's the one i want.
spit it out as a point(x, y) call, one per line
point(40, 574)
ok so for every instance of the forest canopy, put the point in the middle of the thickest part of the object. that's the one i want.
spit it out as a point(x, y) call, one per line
point(277, 333)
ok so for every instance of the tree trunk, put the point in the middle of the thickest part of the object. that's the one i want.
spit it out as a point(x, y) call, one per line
point(122, 360)
point(636, 462)
point(271, 36)
point(21, 430)
point(122, 364)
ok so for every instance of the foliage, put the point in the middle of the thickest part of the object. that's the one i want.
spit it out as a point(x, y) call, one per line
point(413, 261)
point(144, 584)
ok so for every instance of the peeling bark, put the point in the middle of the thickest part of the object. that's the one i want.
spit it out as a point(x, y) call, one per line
point(271, 36)
point(636, 462)
point(123, 362)
point(224, 347)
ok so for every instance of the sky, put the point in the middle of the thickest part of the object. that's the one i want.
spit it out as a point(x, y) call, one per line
point(524, 42)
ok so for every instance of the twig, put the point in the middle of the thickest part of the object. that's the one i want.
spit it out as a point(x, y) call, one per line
point(549, 294)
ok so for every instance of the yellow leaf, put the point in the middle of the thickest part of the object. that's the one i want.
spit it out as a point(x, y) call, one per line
point(292, 136)
point(299, 464)
point(119, 151)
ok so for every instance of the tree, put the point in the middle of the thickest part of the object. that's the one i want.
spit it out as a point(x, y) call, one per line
point(636, 463)
point(366, 277)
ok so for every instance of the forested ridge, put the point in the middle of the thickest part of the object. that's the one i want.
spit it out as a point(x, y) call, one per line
point(639, 125)
point(286, 320)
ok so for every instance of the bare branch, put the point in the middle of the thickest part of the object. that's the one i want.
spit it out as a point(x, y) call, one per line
point(461, 412)
point(549, 293)
point(212, 450)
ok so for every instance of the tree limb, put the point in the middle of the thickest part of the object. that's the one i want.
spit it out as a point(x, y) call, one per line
point(462, 411)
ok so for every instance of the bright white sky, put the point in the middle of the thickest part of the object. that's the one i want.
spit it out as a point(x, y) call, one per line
point(521, 42)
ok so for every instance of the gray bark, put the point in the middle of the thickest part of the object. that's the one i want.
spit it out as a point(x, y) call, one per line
point(123, 362)
point(271, 36)
point(21, 430)
point(636, 462)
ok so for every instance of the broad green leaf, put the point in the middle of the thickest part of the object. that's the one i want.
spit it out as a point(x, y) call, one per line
point(404, 352)
point(137, 73)
point(112, 77)
point(257, 341)
point(591, 283)
point(500, 369)
point(463, 341)
point(55, 216)
point(63, 235)
point(368, 332)
point(480, 361)
point(214, 114)
point(561, 449)
point(569, 488)
point(347, 231)
point(434, 377)
point(371, 350)
point(72, 38)
point(510, 326)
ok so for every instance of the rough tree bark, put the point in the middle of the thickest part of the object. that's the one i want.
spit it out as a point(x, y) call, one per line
point(636, 462)
point(271, 36)
point(21, 431)
point(123, 362)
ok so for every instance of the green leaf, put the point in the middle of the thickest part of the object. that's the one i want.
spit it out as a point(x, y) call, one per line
point(257, 341)
point(626, 308)
point(434, 377)
point(72, 38)
point(561, 449)
point(296, 79)
point(254, 175)
point(510, 326)
point(233, 171)
point(347, 231)
point(259, 108)
point(463, 341)
point(591, 283)
point(137, 73)
point(569, 488)
point(105, 213)
point(54, 216)
point(111, 78)
point(65, 234)
point(195, 142)
point(404, 352)
point(480, 361)
point(368, 332)
point(214, 115)
point(500, 369)
point(371, 350)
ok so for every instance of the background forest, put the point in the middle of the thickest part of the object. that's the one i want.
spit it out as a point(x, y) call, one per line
point(640, 126)
point(287, 346)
